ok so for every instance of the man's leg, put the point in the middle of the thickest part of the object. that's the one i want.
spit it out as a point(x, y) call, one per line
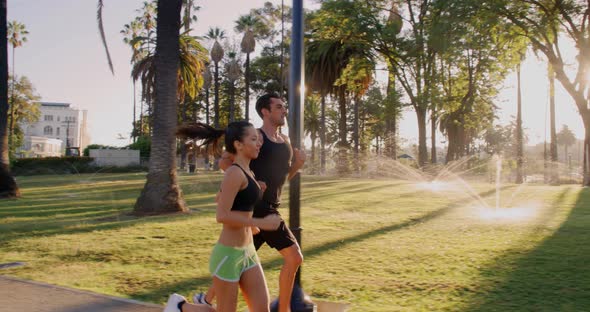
point(292, 260)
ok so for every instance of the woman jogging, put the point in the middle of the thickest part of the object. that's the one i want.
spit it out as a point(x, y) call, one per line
point(234, 263)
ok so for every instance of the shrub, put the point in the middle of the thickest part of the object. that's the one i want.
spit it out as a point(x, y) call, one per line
point(143, 144)
point(52, 165)
point(65, 165)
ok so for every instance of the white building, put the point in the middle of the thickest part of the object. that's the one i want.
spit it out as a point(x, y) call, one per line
point(58, 122)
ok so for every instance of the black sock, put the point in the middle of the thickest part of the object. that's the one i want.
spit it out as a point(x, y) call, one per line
point(180, 304)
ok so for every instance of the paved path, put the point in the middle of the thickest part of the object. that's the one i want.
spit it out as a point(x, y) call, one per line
point(17, 295)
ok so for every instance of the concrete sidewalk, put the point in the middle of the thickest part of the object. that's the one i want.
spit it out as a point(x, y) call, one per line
point(17, 295)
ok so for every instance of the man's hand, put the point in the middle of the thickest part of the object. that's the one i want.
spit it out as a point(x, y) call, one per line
point(299, 159)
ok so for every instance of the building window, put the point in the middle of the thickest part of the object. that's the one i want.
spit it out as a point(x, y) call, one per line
point(57, 118)
point(48, 117)
point(57, 130)
point(48, 130)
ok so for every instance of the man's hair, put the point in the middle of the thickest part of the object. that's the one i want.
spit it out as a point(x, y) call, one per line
point(264, 102)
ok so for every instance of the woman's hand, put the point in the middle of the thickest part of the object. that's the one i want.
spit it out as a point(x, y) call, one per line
point(255, 230)
point(262, 186)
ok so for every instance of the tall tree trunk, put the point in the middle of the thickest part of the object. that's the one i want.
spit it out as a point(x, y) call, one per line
point(587, 154)
point(183, 151)
point(247, 110)
point(422, 150)
point(554, 173)
point(141, 118)
point(161, 193)
point(216, 97)
point(433, 136)
point(232, 99)
point(11, 126)
point(356, 135)
point(390, 143)
point(313, 157)
point(519, 140)
point(323, 136)
point(207, 106)
point(134, 114)
point(207, 120)
point(8, 186)
point(216, 108)
point(342, 131)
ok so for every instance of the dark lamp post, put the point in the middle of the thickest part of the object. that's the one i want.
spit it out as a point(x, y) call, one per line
point(296, 70)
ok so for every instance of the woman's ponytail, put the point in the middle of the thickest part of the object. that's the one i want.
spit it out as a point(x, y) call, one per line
point(201, 131)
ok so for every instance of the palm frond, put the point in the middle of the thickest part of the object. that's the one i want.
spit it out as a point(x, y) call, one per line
point(103, 36)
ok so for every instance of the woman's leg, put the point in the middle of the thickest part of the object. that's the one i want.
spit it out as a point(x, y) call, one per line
point(255, 291)
point(227, 295)
point(210, 295)
point(293, 259)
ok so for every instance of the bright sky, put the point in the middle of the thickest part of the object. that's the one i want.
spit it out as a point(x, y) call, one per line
point(65, 60)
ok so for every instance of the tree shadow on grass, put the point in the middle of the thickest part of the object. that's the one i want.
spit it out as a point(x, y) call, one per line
point(189, 285)
point(77, 204)
point(354, 188)
point(555, 276)
point(89, 218)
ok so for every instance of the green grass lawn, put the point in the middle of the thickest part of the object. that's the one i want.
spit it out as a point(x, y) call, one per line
point(380, 245)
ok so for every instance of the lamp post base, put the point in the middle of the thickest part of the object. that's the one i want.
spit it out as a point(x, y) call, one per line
point(299, 302)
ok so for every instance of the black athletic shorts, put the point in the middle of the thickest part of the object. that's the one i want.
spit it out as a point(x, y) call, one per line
point(279, 239)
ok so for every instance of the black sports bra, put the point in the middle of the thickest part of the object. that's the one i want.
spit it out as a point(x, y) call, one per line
point(246, 199)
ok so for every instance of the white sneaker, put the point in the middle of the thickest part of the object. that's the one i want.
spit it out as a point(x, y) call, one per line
point(173, 301)
point(200, 299)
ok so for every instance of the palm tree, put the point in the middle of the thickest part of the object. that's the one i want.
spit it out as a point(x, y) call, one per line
point(193, 57)
point(161, 192)
point(357, 77)
point(248, 24)
point(217, 52)
point(312, 124)
point(188, 17)
point(326, 61)
point(206, 86)
point(233, 74)
point(103, 36)
point(248, 45)
point(16, 36)
point(322, 72)
point(147, 14)
point(8, 186)
point(566, 138)
point(131, 32)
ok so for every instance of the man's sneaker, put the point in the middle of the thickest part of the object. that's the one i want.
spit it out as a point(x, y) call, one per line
point(173, 301)
point(200, 298)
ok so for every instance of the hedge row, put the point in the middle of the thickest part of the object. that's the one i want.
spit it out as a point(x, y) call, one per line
point(64, 165)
